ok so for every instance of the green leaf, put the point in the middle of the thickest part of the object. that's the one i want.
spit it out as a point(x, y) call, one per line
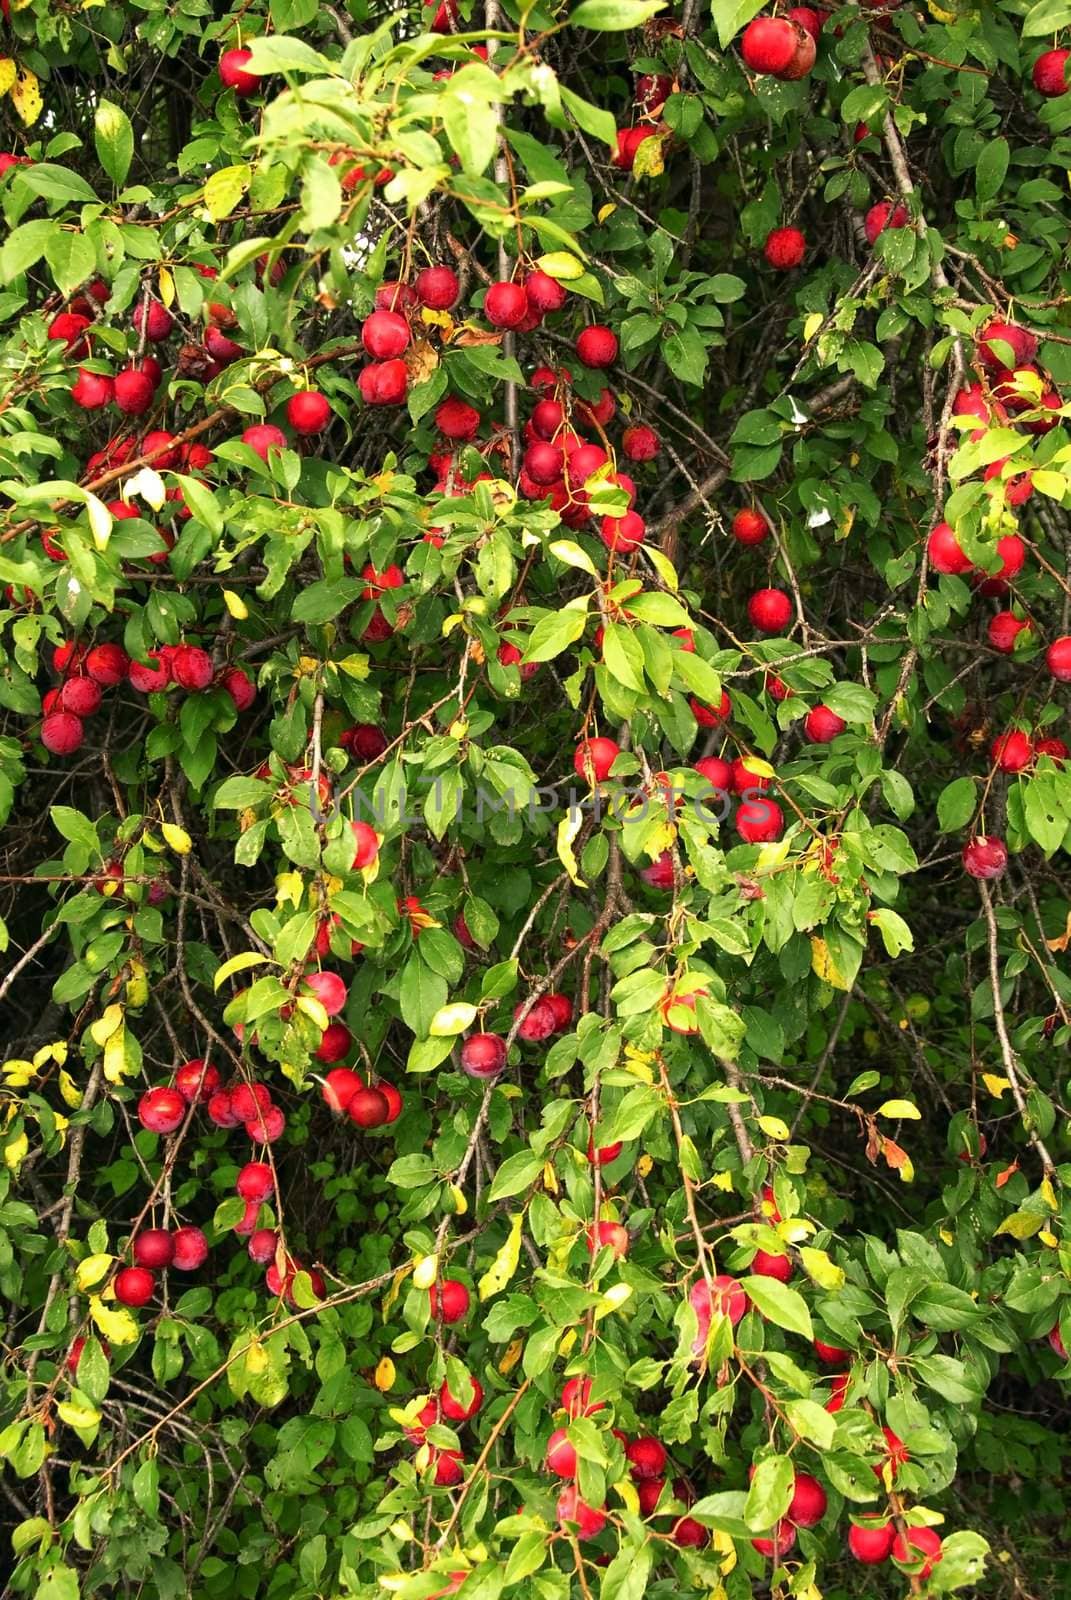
point(25, 245)
point(325, 600)
point(614, 16)
point(284, 53)
point(516, 1173)
point(991, 169)
point(627, 1575)
point(955, 804)
point(113, 136)
point(779, 1304)
point(555, 633)
point(56, 183)
point(732, 15)
point(770, 1493)
point(595, 120)
point(470, 119)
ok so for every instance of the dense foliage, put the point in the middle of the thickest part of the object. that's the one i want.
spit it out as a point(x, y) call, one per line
point(533, 651)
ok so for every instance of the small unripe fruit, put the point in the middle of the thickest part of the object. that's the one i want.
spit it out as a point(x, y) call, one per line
point(597, 346)
point(505, 305)
point(449, 1300)
point(134, 1286)
point(191, 1249)
point(822, 726)
point(152, 1248)
point(264, 438)
point(483, 1055)
point(161, 1110)
point(785, 248)
point(883, 215)
point(62, 733)
point(437, 288)
point(233, 74)
point(594, 758)
point(308, 412)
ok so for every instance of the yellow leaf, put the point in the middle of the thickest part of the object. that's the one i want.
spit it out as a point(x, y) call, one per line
point(560, 264)
point(235, 605)
point(812, 325)
point(572, 555)
point(645, 1165)
point(89, 1272)
point(629, 1495)
point(118, 1327)
point(824, 1272)
point(568, 828)
point(513, 1354)
point(115, 1063)
point(771, 855)
point(774, 1128)
point(550, 1178)
point(649, 160)
point(26, 97)
point(18, 1073)
point(355, 666)
point(177, 838)
point(723, 1544)
point(72, 1095)
point(457, 1195)
point(385, 1374)
point(311, 1007)
point(7, 74)
point(248, 958)
point(1048, 1193)
point(77, 1416)
point(225, 188)
point(167, 286)
point(100, 522)
point(720, 1180)
point(505, 1263)
point(454, 620)
point(452, 1019)
point(823, 965)
point(106, 1024)
point(146, 485)
point(605, 211)
point(137, 985)
point(899, 1108)
point(566, 1342)
point(425, 1271)
point(613, 1300)
point(1021, 1225)
point(1048, 1238)
point(289, 888)
point(15, 1151)
point(995, 1085)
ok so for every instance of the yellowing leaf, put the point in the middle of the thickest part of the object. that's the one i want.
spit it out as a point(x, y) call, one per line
point(235, 605)
point(572, 555)
point(177, 838)
point(425, 1271)
point(613, 1300)
point(242, 963)
point(289, 888)
point(604, 212)
point(774, 1128)
point(15, 1150)
point(100, 521)
point(385, 1374)
point(823, 965)
point(102, 1029)
point(561, 265)
point(505, 1263)
point(899, 1108)
point(824, 1272)
point(568, 828)
point(511, 1357)
point(355, 666)
point(457, 1197)
point(18, 1074)
point(645, 1165)
point(167, 286)
point(995, 1085)
point(77, 1416)
point(26, 97)
point(812, 325)
point(7, 74)
point(89, 1272)
point(720, 1180)
point(550, 1178)
point(1021, 1225)
point(146, 485)
point(1047, 1192)
point(69, 1090)
point(771, 855)
point(630, 1498)
point(452, 1019)
point(225, 188)
point(118, 1327)
point(115, 1063)
point(311, 1007)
